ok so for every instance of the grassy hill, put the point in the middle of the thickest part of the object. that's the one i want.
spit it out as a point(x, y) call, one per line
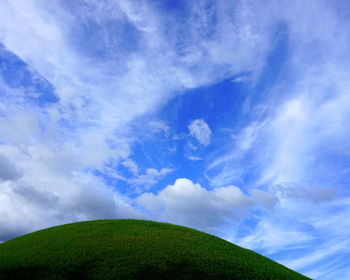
point(132, 249)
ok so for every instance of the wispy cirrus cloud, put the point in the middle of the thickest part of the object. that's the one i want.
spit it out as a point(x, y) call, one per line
point(108, 63)
point(296, 144)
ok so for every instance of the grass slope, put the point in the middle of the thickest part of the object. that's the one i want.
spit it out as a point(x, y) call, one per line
point(132, 249)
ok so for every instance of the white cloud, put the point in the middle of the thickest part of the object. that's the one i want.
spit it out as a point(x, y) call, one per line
point(300, 124)
point(229, 167)
point(201, 131)
point(329, 249)
point(149, 178)
point(194, 158)
point(143, 180)
point(335, 269)
point(53, 190)
point(296, 143)
point(304, 235)
point(272, 237)
point(239, 79)
point(304, 112)
point(90, 91)
point(190, 204)
point(131, 166)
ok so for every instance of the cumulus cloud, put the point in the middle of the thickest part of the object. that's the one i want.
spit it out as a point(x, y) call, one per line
point(190, 204)
point(201, 131)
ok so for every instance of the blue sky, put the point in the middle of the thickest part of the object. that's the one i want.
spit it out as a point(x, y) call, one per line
point(231, 117)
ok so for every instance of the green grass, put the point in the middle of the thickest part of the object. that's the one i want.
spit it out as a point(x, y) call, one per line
point(132, 249)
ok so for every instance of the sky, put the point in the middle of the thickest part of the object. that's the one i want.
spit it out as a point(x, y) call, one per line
point(231, 117)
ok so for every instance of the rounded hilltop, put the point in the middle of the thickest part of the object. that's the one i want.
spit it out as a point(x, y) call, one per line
point(132, 249)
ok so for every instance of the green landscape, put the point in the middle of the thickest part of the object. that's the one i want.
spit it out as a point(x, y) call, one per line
point(132, 249)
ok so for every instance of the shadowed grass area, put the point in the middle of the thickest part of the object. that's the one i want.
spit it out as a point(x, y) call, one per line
point(132, 249)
